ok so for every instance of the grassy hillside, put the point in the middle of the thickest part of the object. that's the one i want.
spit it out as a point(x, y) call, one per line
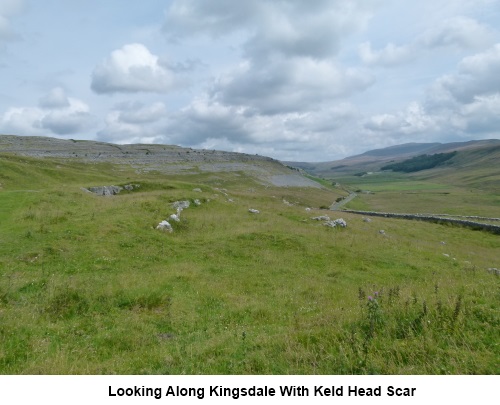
point(472, 154)
point(467, 184)
point(88, 286)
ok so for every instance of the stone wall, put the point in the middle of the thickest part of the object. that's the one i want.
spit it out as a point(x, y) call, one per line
point(430, 218)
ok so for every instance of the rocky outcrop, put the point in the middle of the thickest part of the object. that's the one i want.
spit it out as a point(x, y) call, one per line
point(111, 190)
point(162, 158)
point(105, 190)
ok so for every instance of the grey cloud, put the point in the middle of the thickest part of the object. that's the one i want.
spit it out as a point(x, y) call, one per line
point(134, 121)
point(287, 27)
point(391, 55)
point(202, 120)
point(459, 32)
point(466, 103)
point(187, 66)
point(121, 132)
point(462, 32)
point(477, 75)
point(217, 17)
point(287, 85)
point(56, 98)
point(67, 124)
point(60, 120)
point(137, 113)
point(8, 9)
point(482, 115)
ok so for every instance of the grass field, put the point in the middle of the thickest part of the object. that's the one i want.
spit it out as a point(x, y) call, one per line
point(397, 192)
point(89, 286)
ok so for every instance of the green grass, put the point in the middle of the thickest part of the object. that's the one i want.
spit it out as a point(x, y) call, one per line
point(396, 192)
point(88, 286)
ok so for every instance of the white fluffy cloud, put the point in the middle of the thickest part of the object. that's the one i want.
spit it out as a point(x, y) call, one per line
point(57, 114)
point(132, 68)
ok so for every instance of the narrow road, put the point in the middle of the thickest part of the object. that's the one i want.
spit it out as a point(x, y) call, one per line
point(336, 206)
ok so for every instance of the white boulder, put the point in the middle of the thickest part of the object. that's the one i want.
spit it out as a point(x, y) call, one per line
point(164, 226)
point(175, 217)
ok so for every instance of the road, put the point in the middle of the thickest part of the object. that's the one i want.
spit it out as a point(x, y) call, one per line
point(336, 206)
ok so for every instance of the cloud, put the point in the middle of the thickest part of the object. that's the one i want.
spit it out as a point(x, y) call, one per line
point(288, 85)
point(296, 82)
point(482, 114)
point(204, 119)
point(457, 32)
point(134, 122)
point(413, 120)
point(138, 113)
point(461, 32)
point(464, 104)
point(288, 27)
point(56, 98)
point(8, 9)
point(209, 124)
point(477, 76)
point(130, 69)
point(56, 115)
point(218, 17)
point(288, 89)
point(391, 55)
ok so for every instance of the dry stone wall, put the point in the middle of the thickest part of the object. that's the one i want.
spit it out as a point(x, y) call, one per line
point(430, 218)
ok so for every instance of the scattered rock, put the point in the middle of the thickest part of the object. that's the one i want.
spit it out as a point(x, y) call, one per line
point(164, 226)
point(130, 187)
point(308, 209)
point(181, 204)
point(253, 211)
point(321, 218)
point(198, 190)
point(367, 220)
point(382, 232)
point(443, 243)
point(337, 222)
point(446, 255)
point(341, 222)
point(166, 336)
point(175, 217)
point(197, 202)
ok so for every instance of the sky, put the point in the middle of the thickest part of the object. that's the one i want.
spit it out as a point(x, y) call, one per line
point(296, 80)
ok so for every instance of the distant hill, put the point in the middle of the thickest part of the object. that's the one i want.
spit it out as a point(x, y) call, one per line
point(406, 149)
point(374, 160)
